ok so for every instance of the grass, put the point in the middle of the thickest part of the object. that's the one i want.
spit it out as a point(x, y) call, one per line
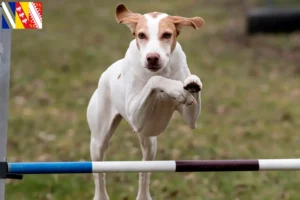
point(250, 102)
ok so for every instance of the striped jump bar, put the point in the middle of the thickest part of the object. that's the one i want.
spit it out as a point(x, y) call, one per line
point(152, 166)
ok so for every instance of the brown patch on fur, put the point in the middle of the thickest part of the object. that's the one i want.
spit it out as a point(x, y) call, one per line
point(167, 25)
point(119, 76)
point(125, 16)
point(122, 12)
point(141, 27)
point(154, 14)
point(135, 21)
point(174, 24)
point(195, 22)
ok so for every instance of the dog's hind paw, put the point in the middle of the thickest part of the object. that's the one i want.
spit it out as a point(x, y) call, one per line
point(103, 197)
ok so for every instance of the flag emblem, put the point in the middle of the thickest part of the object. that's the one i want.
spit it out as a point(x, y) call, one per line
point(22, 15)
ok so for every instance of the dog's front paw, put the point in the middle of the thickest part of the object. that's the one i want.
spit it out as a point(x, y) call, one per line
point(192, 84)
point(183, 97)
point(180, 95)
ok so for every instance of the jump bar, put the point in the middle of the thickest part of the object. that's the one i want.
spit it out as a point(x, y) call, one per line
point(152, 166)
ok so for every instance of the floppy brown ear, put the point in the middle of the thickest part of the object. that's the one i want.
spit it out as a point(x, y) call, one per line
point(179, 22)
point(125, 16)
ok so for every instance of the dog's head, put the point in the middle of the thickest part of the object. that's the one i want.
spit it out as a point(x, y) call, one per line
point(155, 34)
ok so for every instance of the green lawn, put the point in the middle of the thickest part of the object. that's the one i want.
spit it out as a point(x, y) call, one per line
point(250, 102)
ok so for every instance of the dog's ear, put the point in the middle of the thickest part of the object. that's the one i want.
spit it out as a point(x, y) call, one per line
point(125, 16)
point(179, 22)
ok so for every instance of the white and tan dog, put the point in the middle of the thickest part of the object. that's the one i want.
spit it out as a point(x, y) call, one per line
point(145, 88)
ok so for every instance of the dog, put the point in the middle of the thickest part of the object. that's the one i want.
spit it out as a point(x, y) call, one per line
point(145, 88)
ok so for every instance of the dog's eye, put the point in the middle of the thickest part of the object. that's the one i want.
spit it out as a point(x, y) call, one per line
point(142, 35)
point(167, 35)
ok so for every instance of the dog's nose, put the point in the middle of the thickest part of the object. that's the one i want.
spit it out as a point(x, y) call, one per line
point(153, 58)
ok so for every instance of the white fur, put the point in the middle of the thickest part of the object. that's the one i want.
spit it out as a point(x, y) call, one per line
point(153, 44)
point(145, 99)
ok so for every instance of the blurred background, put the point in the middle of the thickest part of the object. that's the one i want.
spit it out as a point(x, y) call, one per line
point(250, 101)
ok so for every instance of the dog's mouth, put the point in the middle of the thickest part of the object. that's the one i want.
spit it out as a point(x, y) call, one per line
point(153, 68)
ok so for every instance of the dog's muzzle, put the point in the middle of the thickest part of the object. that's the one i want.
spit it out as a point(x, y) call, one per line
point(153, 62)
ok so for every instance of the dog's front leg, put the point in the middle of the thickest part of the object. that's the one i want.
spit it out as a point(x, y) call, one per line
point(191, 113)
point(139, 106)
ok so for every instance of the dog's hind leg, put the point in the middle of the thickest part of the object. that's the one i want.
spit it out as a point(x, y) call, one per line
point(148, 146)
point(103, 119)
